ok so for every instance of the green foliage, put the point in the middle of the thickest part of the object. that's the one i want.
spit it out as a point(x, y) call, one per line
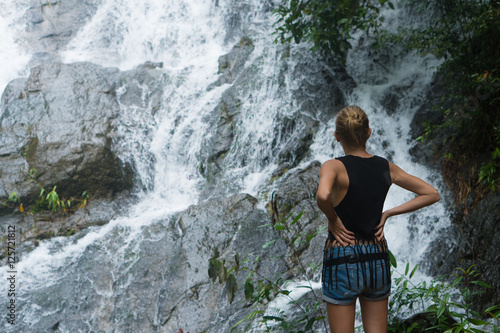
point(14, 198)
point(259, 290)
point(84, 200)
point(445, 307)
point(489, 172)
point(328, 24)
point(53, 203)
point(33, 173)
point(428, 127)
point(466, 35)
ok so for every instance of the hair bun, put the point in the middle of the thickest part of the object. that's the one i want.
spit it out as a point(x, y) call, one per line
point(352, 126)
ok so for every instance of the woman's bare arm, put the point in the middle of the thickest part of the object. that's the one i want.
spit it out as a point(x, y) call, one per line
point(327, 178)
point(426, 195)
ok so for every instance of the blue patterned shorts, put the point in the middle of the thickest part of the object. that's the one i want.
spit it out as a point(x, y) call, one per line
point(356, 271)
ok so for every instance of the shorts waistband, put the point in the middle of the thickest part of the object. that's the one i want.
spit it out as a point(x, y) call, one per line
point(356, 257)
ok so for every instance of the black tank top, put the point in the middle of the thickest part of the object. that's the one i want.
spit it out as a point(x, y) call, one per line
point(369, 181)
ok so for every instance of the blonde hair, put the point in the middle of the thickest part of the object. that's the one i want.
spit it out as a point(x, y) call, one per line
point(352, 126)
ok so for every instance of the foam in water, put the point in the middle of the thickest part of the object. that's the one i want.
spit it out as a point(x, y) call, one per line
point(126, 33)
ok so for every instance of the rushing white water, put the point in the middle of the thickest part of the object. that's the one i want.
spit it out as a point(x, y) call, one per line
point(189, 36)
point(124, 33)
point(13, 55)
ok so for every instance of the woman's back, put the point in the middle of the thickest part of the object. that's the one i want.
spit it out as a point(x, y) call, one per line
point(361, 207)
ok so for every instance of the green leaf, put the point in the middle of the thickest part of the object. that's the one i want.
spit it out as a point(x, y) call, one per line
point(248, 289)
point(231, 287)
point(413, 271)
point(407, 268)
point(440, 311)
point(493, 308)
point(273, 318)
point(213, 269)
point(271, 242)
point(478, 322)
point(457, 281)
point(475, 330)
point(482, 284)
point(297, 218)
point(249, 317)
point(286, 218)
point(307, 287)
point(392, 259)
point(310, 323)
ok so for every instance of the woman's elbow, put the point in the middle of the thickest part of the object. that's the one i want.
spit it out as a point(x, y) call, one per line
point(322, 196)
point(435, 196)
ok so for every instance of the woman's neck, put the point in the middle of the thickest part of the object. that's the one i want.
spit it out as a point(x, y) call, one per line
point(356, 151)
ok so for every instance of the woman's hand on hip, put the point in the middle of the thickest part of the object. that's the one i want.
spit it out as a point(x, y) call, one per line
point(343, 236)
point(379, 233)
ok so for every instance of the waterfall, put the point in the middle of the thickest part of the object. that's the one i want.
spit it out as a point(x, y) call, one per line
point(12, 53)
point(188, 37)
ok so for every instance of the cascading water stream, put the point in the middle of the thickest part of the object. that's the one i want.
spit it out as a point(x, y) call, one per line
point(13, 52)
point(188, 37)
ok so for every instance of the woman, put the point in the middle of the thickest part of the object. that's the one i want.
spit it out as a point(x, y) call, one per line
point(351, 194)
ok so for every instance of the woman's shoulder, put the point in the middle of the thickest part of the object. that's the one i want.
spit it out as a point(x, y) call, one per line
point(334, 164)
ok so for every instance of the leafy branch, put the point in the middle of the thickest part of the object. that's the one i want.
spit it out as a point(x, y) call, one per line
point(260, 290)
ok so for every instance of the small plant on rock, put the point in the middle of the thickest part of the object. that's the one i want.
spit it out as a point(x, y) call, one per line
point(54, 203)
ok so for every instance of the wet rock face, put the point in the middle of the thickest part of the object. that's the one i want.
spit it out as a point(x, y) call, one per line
point(51, 24)
point(231, 64)
point(295, 193)
point(156, 279)
point(36, 227)
point(59, 126)
point(471, 240)
point(426, 151)
point(319, 87)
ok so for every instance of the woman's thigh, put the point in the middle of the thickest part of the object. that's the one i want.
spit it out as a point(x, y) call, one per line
point(374, 315)
point(341, 317)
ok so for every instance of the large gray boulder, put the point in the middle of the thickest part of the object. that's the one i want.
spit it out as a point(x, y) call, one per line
point(60, 126)
point(155, 278)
